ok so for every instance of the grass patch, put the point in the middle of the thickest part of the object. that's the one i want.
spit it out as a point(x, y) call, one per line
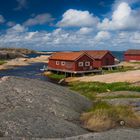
point(89, 95)
point(120, 96)
point(56, 76)
point(90, 89)
point(135, 62)
point(99, 105)
point(103, 116)
point(2, 62)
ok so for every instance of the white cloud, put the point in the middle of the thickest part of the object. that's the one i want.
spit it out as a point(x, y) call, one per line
point(85, 30)
point(119, 32)
point(39, 20)
point(19, 36)
point(21, 4)
point(77, 18)
point(17, 28)
point(2, 20)
point(60, 39)
point(122, 12)
point(31, 35)
point(135, 38)
point(118, 2)
point(102, 35)
point(123, 18)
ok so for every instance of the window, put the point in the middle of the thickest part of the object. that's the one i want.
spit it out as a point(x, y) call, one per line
point(87, 63)
point(57, 62)
point(80, 64)
point(63, 63)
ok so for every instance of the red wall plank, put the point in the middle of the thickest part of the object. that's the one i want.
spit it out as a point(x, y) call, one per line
point(128, 57)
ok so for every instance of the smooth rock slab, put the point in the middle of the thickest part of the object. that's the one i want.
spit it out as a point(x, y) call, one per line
point(116, 134)
point(33, 108)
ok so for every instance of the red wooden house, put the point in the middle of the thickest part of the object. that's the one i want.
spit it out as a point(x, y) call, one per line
point(132, 55)
point(102, 58)
point(80, 62)
point(72, 62)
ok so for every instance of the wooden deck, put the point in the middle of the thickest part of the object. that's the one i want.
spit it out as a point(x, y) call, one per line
point(110, 67)
point(74, 72)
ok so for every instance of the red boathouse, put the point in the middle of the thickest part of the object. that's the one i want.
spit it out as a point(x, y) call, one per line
point(70, 62)
point(81, 62)
point(132, 55)
point(103, 58)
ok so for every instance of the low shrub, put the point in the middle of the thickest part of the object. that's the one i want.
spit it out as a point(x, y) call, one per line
point(104, 116)
point(2, 62)
point(56, 76)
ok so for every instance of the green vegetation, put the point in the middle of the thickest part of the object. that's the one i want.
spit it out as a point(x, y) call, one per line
point(2, 62)
point(135, 62)
point(104, 116)
point(90, 89)
point(120, 96)
point(99, 105)
point(56, 76)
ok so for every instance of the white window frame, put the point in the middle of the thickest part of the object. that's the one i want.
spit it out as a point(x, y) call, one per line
point(87, 63)
point(57, 62)
point(80, 64)
point(63, 63)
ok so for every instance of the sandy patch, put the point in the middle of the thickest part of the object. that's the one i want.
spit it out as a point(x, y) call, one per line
point(129, 64)
point(129, 76)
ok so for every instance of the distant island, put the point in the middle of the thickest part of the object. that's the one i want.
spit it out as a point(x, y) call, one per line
point(11, 53)
point(13, 57)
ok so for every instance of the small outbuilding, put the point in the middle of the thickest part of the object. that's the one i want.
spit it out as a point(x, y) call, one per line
point(70, 62)
point(102, 58)
point(132, 55)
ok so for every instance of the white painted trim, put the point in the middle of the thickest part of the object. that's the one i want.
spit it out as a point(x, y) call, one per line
point(80, 64)
point(57, 62)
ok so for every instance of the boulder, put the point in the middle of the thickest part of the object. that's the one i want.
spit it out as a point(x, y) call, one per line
point(10, 55)
point(33, 108)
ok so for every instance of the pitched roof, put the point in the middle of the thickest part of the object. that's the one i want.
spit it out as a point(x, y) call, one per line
point(97, 54)
point(71, 56)
point(136, 52)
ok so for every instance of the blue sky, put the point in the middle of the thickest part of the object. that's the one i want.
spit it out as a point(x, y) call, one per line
point(70, 24)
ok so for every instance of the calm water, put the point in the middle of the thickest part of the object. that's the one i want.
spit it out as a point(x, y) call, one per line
point(30, 71)
point(33, 70)
point(119, 55)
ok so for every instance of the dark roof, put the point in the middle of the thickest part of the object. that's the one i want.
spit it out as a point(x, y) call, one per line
point(70, 56)
point(134, 52)
point(97, 54)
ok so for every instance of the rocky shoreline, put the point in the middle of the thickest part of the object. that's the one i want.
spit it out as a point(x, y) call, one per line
point(12, 53)
point(44, 111)
point(17, 62)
